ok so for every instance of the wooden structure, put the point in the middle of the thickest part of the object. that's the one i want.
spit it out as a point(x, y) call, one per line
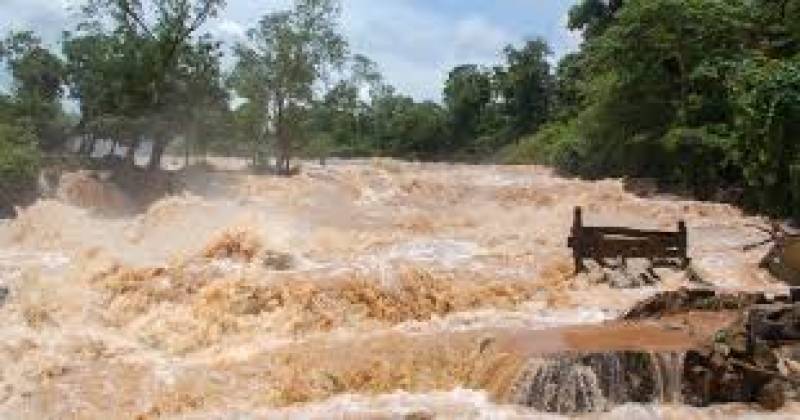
point(602, 243)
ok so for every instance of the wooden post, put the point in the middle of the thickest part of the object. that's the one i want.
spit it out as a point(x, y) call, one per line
point(683, 243)
point(577, 240)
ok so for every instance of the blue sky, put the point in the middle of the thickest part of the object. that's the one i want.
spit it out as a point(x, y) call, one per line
point(415, 42)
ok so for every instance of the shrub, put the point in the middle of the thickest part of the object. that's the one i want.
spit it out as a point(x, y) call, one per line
point(19, 167)
point(555, 144)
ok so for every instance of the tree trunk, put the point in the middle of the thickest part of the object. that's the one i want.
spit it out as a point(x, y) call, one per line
point(254, 152)
point(282, 160)
point(87, 145)
point(130, 155)
point(159, 145)
point(185, 152)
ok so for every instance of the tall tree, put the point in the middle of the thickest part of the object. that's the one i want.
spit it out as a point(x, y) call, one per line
point(342, 113)
point(467, 93)
point(526, 86)
point(143, 64)
point(570, 77)
point(38, 85)
point(286, 54)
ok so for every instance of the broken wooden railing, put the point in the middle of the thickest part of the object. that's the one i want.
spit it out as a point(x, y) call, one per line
point(603, 243)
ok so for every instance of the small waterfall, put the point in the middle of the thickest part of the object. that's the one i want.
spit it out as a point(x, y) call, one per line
point(668, 376)
point(561, 386)
point(593, 383)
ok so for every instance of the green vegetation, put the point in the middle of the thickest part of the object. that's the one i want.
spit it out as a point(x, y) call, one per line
point(19, 166)
point(287, 53)
point(140, 71)
point(701, 95)
point(30, 117)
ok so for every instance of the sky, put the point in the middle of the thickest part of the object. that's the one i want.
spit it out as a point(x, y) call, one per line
point(414, 42)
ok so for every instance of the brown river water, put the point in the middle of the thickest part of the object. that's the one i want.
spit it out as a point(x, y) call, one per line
point(363, 289)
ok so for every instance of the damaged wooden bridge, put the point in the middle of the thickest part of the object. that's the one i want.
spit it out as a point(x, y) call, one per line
point(603, 243)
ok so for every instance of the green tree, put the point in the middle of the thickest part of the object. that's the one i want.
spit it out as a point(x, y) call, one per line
point(526, 86)
point(570, 78)
point(38, 85)
point(593, 17)
point(286, 54)
point(660, 65)
point(19, 160)
point(133, 63)
point(468, 92)
point(767, 98)
point(701, 94)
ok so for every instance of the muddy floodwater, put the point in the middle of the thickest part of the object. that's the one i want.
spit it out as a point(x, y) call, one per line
point(363, 289)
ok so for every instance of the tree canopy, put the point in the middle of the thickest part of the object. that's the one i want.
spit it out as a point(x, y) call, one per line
point(137, 66)
point(286, 54)
point(699, 94)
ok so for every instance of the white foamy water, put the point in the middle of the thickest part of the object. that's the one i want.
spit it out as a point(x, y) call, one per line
point(445, 253)
point(475, 405)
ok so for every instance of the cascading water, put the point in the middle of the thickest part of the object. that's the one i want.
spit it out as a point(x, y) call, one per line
point(668, 374)
point(561, 386)
point(597, 382)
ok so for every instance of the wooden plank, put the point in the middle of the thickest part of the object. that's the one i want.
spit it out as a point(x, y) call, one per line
point(621, 231)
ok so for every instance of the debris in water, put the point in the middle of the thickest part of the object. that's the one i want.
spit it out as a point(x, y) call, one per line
point(603, 243)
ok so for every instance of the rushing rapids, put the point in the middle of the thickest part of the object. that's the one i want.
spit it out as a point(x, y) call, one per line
point(365, 289)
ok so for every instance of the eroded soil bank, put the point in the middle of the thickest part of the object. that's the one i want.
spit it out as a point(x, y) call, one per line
point(364, 289)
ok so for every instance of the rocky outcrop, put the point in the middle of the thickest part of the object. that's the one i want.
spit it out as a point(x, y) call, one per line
point(753, 357)
point(688, 300)
point(744, 362)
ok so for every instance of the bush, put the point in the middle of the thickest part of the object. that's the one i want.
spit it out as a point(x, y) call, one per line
point(766, 94)
point(701, 159)
point(555, 144)
point(19, 167)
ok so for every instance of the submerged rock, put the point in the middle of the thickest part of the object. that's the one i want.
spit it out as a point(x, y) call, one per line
point(772, 396)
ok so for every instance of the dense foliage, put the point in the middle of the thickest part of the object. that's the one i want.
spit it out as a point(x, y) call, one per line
point(19, 163)
point(30, 117)
point(141, 71)
point(702, 95)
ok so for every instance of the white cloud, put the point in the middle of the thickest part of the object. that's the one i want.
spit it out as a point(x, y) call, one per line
point(416, 48)
point(477, 37)
point(228, 29)
point(46, 17)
